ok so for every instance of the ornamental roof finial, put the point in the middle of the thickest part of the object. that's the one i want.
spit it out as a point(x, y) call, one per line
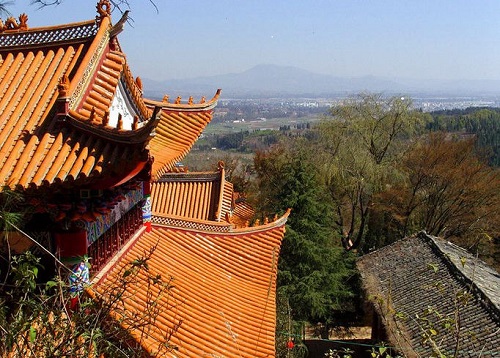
point(11, 24)
point(103, 9)
point(63, 86)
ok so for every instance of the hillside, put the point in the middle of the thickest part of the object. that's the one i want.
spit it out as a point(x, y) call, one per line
point(287, 81)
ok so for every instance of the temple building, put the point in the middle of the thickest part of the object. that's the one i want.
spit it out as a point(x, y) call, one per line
point(95, 162)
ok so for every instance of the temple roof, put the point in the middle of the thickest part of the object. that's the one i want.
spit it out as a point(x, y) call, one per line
point(197, 195)
point(224, 289)
point(191, 195)
point(180, 126)
point(418, 275)
point(243, 212)
point(71, 112)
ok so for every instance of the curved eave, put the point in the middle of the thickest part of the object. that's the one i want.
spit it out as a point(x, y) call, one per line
point(137, 136)
point(281, 221)
point(215, 322)
point(187, 224)
point(185, 107)
point(33, 151)
point(82, 76)
point(179, 128)
point(111, 74)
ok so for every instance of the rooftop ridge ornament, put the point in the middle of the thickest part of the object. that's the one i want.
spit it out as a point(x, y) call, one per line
point(63, 86)
point(11, 24)
point(103, 9)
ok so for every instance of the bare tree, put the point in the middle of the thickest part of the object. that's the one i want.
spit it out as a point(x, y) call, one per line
point(120, 5)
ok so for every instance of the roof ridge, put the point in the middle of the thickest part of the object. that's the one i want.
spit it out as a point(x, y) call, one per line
point(489, 297)
point(188, 176)
point(190, 106)
point(48, 35)
point(208, 226)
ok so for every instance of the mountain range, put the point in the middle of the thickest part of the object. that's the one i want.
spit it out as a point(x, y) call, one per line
point(287, 81)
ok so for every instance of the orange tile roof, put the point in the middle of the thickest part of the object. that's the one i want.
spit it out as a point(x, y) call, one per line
point(35, 147)
point(243, 214)
point(180, 126)
point(56, 87)
point(225, 289)
point(226, 200)
point(190, 195)
point(202, 196)
point(28, 82)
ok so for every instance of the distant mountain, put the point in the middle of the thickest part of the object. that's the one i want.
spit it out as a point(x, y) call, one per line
point(287, 81)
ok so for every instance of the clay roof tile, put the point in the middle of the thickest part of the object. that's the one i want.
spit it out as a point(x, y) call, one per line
point(224, 289)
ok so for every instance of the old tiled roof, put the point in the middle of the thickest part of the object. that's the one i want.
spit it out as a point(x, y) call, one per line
point(412, 275)
point(57, 86)
point(203, 196)
point(224, 290)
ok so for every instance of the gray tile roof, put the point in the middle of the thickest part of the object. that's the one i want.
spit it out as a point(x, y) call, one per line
point(48, 36)
point(408, 278)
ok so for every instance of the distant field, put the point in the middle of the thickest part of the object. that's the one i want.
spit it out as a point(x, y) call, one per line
point(271, 123)
point(206, 159)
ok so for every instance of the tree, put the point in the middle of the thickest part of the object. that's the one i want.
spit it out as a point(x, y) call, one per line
point(451, 191)
point(377, 121)
point(39, 317)
point(357, 148)
point(315, 274)
point(3, 8)
point(483, 123)
point(121, 5)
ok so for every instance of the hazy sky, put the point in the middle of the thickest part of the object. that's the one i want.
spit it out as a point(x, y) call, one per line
point(441, 39)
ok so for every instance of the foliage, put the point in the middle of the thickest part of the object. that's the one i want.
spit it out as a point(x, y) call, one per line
point(380, 351)
point(315, 274)
point(11, 212)
point(482, 123)
point(365, 178)
point(288, 332)
point(377, 121)
point(357, 148)
point(335, 353)
point(41, 319)
point(3, 7)
point(449, 191)
point(242, 141)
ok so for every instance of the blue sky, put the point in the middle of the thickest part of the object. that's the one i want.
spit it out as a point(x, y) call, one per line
point(421, 39)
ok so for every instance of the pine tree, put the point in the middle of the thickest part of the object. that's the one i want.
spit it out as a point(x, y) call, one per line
point(315, 273)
